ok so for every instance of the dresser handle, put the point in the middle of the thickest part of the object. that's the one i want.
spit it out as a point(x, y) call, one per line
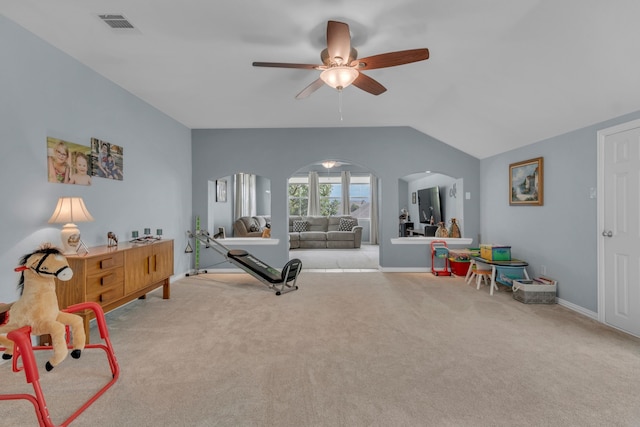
point(106, 263)
point(106, 279)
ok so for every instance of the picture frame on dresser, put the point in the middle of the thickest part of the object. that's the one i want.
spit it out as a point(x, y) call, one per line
point(526, 182)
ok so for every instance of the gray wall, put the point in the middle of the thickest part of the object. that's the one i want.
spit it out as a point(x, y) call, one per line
point(44, 92)
point(561, 235)
point(389, 153)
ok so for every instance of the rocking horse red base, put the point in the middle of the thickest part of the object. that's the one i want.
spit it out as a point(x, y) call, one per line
point(37, 313)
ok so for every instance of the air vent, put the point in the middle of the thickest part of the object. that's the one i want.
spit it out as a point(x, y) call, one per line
point(117, 22)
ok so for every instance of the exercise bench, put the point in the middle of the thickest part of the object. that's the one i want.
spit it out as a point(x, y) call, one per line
point(280, 281)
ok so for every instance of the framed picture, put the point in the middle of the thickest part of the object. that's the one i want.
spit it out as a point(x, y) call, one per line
point(526, 182)
point(221, 190)
point(107, 160)
point(413, 198)
point(67, 162)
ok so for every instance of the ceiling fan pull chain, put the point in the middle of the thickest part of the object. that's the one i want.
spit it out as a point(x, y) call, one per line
point(340, 103)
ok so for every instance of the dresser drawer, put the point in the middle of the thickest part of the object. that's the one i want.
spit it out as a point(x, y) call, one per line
point(107, 279)
point(107, 295)
point(99, 264)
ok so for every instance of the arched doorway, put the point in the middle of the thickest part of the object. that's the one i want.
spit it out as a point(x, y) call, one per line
point(330, 179)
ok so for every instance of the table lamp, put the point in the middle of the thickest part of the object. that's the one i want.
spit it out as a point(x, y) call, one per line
point(68, 211)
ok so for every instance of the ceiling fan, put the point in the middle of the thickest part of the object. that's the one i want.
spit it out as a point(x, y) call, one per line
point(341, 67)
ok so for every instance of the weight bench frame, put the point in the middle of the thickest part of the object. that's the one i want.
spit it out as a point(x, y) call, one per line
point(280, 282)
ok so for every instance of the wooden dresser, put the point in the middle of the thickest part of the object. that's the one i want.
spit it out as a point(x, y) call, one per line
point(113, 276)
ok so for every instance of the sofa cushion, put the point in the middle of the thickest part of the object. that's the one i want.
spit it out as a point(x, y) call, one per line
point(317, 223)
point(313, 235)
point(261, 221)
point(347, 224)
point(300, 226)
point(250, 224)
point(247, 226)
point(341, 235)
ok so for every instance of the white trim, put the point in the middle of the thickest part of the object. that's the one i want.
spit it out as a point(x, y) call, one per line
point(578, 309)
point(602, 136)
point(427, 240)
point(405, 269)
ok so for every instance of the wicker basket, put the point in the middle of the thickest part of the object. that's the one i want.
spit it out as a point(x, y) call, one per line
point(530, 292)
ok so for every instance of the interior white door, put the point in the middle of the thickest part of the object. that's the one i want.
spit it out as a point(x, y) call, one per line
point(620, 232)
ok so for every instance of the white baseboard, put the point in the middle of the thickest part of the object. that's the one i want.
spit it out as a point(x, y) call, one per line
point(405, 269)
point(592, 314)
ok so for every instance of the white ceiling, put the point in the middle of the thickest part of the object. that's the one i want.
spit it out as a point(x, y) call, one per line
point(502, 73)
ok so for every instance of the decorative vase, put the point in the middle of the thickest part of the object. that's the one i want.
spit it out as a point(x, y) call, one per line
point(442, 230)
point(454, 230)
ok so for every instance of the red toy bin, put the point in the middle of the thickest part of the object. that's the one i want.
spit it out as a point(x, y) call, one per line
point(459, 268)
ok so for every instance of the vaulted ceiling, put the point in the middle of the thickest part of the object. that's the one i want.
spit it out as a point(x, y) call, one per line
point(501, 74)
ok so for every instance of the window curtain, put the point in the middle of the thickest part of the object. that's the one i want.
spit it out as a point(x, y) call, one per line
point(346, 182)
point(374, 238)
point(314, 194)
point(245, 194)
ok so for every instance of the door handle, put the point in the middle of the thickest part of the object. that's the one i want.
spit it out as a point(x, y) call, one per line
point(607, 233)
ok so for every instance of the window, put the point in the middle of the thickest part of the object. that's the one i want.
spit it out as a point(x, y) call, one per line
point(360, 197)
point(298, 196)
point(331, 196)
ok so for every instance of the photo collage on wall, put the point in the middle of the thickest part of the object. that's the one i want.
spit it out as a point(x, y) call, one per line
point(71, 163)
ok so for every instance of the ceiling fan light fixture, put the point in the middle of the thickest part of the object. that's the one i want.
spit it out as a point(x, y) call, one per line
point(329, 164)
point(339, 77)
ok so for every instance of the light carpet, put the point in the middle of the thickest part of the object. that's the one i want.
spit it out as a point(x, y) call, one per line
point(359, 259)
point(364, 349)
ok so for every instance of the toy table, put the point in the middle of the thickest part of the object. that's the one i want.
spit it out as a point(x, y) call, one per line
point(482, 264)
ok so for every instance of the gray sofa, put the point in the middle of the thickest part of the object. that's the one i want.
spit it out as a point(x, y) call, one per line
point(318, 232)
point(250, 226)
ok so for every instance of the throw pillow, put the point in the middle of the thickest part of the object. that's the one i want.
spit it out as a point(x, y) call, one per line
point(254, 228)
point(299, 226)
point(347, 224)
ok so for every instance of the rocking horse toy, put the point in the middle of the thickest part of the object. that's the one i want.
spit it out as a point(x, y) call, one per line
point(38, 305)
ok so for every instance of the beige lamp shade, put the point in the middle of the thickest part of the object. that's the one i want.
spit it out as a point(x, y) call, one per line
point(68, 211)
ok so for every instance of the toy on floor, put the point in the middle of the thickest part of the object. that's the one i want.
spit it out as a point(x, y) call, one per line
point(38, 305)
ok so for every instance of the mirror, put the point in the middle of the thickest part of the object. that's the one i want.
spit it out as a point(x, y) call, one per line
point(247, 195)
point(429, 205)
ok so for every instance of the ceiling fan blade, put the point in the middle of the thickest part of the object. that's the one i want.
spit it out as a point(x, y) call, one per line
point(317, 84)
point(391, 59)
point(338, 42)
point(286, 65)
point(368, 84)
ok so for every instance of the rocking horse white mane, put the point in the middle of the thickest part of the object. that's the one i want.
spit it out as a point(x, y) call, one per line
point(38, 305)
